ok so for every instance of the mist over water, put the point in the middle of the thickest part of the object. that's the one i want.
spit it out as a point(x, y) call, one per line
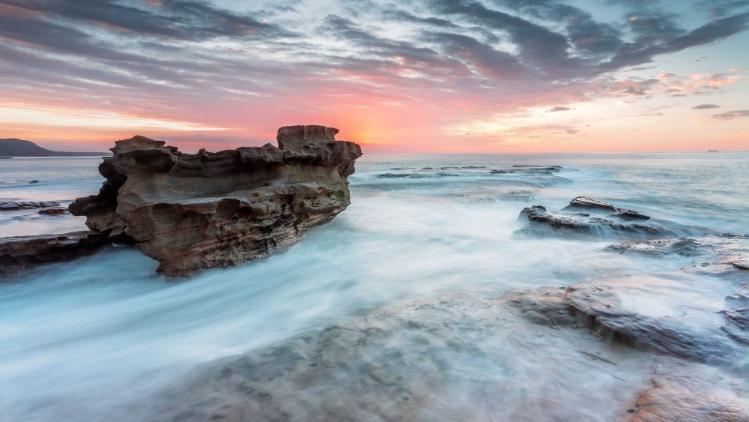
point(98, 338)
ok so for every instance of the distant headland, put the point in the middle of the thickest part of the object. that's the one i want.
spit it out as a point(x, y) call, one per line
point(19, 148)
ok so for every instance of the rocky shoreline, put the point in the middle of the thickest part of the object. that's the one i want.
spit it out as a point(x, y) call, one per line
point(208, 210)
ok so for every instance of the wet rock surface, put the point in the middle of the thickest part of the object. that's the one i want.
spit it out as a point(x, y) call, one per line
point(441, 359)
point(592, 204)
point(716, 255)
point(599, 309)
point(391, 365)
point(737, 315)
point(528, 169)
point(690, 399)
point(541, 221)
point(659, 247)
point(25, 205)
point(53, 211)
point(207, 210)
point(18, 253)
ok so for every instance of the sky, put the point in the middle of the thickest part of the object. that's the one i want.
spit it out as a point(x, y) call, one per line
point(447, 76)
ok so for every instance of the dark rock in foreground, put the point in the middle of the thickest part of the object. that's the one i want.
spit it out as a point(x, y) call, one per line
point(540, 221)
point(207, 210)
point(599, 308)
point(26, 205)
point(690, 399)
point(18, 253)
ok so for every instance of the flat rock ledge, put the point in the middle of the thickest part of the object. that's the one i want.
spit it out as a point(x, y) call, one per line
point(599, 309)
point(726, 255)
point(18, 253)
point(215, 209)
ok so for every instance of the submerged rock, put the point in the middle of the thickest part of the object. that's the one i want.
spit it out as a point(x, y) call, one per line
point(737, 315)
point(519, 195)
point(402, 176)
point(18, 253)
point(391, 365)
point(207, 210)
point(528, 169)
point(690, 399)
point(540, 221)
point(25, 205)
point(53, 211)
point(659, 247)
point(715, 255)
point(599, 309)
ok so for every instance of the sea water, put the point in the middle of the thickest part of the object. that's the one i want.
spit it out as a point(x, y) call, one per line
point(97, 338)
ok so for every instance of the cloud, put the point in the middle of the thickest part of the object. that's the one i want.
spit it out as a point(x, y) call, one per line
point(185, 60)
point(558, 108)
point(730, 115)
point(666, 84)
point(177, 19)
point(705, 106)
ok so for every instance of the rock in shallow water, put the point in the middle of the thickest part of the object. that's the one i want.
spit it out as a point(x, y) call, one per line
point(18, 253)
point(587, 203)
point(25, 205)
point(737, 315)
point(207, 210)
point(659, 247)
point(541, 221)
point(724, 255)
point(53, 211)
point(528, 169)
point(599, 308)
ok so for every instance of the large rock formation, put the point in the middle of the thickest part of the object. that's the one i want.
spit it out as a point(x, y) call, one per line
point(206, 210)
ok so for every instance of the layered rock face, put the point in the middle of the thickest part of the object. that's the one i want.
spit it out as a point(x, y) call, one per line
point(207, 210)
point(18, 253)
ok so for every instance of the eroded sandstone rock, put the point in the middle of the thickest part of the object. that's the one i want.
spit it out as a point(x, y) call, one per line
point(207, 210)
point(18, 253)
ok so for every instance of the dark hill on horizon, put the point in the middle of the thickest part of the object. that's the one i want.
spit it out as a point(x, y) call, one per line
point(19, 148)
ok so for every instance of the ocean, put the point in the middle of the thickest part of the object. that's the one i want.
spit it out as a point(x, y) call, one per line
point(417, 261)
